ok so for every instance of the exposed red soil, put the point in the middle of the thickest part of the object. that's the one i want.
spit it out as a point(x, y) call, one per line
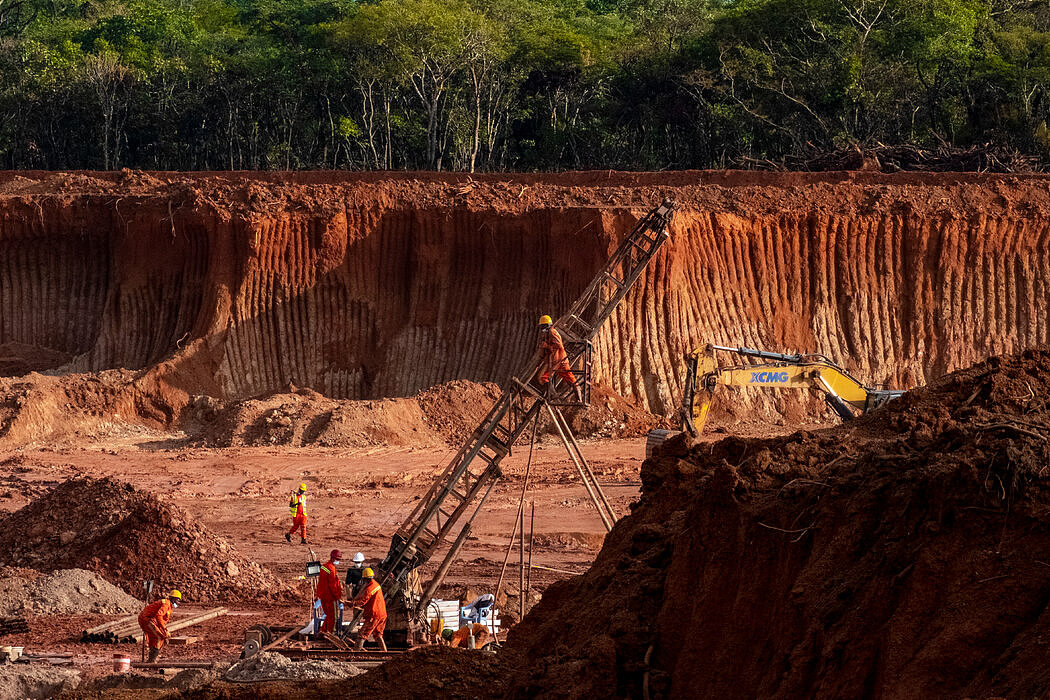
point(434, 672)
point(378, 285)
point(128, 537)
point(898, 556)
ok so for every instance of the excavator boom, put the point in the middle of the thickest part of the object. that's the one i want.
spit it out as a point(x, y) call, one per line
point(843, 392)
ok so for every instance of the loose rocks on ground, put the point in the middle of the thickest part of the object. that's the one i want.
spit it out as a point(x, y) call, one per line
point(128, 536)
point(64, 592)
point(20, 681)
point(268, 666)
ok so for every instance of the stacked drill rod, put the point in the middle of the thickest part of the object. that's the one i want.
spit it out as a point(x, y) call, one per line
point(13, 625)
point(126, 630)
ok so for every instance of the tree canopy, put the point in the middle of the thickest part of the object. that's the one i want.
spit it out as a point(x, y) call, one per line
point(511, 84)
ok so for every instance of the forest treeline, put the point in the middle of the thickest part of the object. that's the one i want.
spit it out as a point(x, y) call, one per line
point(512, 84)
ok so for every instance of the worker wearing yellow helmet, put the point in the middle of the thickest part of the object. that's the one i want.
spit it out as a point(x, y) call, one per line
point(373, 610)
point(154, 622)
point(297, 509)
point(554, 359)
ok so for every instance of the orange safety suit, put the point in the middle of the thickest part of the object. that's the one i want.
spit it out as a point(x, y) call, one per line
point(329, 590)
point(460, 636)
point(297, 508)
point(555, 357)
point(154, 622)
point(373, 609)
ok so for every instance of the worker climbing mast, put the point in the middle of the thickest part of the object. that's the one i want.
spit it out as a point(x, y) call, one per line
point(468, 478)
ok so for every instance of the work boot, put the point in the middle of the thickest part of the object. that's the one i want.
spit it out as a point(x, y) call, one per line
point(287, 538)
point(153, 654)
point(302, 540)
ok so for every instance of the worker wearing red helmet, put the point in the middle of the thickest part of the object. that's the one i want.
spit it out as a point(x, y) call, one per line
point(554, 358)
point(330, 590)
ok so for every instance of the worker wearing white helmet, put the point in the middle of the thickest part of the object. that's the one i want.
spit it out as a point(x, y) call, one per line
point(353, 574)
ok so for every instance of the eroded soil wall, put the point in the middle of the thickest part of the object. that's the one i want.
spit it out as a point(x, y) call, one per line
point(382, 284)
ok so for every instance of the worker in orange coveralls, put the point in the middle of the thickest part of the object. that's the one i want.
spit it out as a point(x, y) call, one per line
point(297, 509)
point(555, 359)
point(330, 590)
point(154, 622)
point(459, 637)
point(373, 607)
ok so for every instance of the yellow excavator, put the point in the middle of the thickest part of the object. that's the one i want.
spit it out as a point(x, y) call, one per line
point(841, 390)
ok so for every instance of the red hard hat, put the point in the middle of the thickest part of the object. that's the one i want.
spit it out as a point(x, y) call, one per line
point(336, 554)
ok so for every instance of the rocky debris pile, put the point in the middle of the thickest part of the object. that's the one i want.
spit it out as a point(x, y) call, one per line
point(440, 415)
point(64, 592)
point(128, 536)
point(74, 408)
point(611, 416)
point(269, 666)
point(433, 671)
point(425, 672)
point(455, 408)
point(21, 681)
point(901, 555)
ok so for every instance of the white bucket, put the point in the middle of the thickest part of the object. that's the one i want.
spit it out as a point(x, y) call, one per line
point(121, 663)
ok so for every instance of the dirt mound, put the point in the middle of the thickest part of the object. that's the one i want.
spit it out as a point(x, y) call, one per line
point(426, 672)
point(75, 408)
point(128, 536)
point(902, 555)
point(444, 414)
point(21, 681)
point(268, 666)
point(455, 408)
point(65, 592)
point(610, 415)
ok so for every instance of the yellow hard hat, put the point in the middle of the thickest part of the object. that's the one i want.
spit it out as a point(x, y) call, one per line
point(175, 594)
point(545, 320)
point(302, 487)
point(368, 573)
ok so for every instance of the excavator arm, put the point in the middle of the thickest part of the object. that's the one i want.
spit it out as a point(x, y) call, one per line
point(843, 392)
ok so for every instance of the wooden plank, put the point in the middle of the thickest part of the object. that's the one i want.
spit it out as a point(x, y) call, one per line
point(188, 622)
point(336, 641)
point(184, 640)
point(173, 664)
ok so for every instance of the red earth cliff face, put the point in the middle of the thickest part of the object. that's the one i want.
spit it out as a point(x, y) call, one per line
point(377, 285)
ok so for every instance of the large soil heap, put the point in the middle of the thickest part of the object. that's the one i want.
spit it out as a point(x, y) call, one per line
point(379, 285)
point(128, 536)
point(903, 555)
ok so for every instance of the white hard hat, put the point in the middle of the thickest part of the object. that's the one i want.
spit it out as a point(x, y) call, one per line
point(358, 558)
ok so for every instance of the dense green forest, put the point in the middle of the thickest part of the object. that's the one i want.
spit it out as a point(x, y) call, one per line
point(511, 84)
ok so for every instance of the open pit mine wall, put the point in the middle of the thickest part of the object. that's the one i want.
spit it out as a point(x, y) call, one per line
point(375, 297)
